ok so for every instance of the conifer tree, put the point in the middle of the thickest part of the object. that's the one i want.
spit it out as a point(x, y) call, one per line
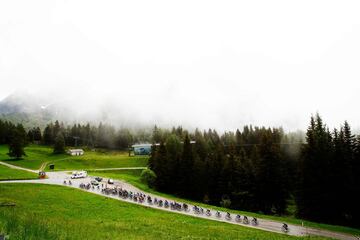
point(48, 135)
point(314, 193)
point(56, 129)
point(59, 145)
point(17, 142)
point(271, 191)
point(355, 185)
point(37, 134)
point(185, 166)
point(173, 154)
point(159, 163)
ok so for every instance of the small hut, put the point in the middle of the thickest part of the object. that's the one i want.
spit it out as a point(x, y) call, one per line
point(75, 152)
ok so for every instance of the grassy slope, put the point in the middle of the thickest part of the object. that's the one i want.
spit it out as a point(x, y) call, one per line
point(40, 154)
point(56, 212)
point(37, 155)
point(7, 173)
point(133, 177)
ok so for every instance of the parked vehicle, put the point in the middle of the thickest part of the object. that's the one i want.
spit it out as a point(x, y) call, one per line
point(99, 179)
point(42, 174)
point(80, 174)
point(94, 182)
point(110, 181)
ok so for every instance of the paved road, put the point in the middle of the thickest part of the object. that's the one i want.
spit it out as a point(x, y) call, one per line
point(107, 169)
point(43, 166)
point(57, 178)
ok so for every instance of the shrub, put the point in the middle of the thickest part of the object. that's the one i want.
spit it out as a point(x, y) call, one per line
point(148, 176)
point(225, 202)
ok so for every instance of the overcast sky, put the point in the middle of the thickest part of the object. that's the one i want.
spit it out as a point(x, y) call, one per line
point(218, 64)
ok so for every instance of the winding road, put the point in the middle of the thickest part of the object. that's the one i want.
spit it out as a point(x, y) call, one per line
point(57, 178)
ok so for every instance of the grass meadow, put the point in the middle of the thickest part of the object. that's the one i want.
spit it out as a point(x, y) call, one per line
point(57, 212)
point(38, 155)
point(133, 177)
point(7, 173)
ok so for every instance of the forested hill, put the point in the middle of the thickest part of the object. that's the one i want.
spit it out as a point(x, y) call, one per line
point(27, 109)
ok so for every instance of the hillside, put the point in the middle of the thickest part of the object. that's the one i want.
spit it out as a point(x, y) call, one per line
point(28, 109)
point(95, 217)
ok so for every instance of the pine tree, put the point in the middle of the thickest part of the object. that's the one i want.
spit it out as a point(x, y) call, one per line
point(173, 154)
point(59, 146)
point(17, 143)
point(185, 167)
point(2, 132)
point(217, 158)
point(56, 129)
point(271, 191)
point(157, 135)
point(355, 185)
point(37, 135)
point(347, 173)
point(48, 135)
point(242, 193)
point(314, 193)
point(159, 167)
point(30, 135)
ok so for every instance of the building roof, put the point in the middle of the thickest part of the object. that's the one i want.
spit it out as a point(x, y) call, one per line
point(75, 150)
point(156, 144)
point(142, 145)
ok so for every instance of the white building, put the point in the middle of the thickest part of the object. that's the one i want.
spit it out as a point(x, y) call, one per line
point(75, 152)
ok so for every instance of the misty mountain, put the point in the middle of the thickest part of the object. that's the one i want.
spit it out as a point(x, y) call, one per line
point(30, 109)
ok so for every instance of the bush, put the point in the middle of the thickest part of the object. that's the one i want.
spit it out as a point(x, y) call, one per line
point(225, 202)
point(148, 176)
point(206, 199)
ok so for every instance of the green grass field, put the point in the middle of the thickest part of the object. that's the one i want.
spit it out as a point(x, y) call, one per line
point(7, 173)
point(38, 155)
point(129, 175)
point(56, 212)
point(133, 177)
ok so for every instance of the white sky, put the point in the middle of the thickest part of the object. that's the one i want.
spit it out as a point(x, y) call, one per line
point(217, 64)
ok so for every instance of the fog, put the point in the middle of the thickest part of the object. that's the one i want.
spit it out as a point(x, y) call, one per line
point(207, 64)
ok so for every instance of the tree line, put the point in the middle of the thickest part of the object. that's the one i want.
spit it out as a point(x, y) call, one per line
point(261, 169)
point(87, 135)
point(59, 136)
point(100, 136)
point(249, 169)
point(328, 189)
point(255, 169)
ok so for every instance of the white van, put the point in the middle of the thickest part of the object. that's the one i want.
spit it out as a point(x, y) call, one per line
point(81, 174)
